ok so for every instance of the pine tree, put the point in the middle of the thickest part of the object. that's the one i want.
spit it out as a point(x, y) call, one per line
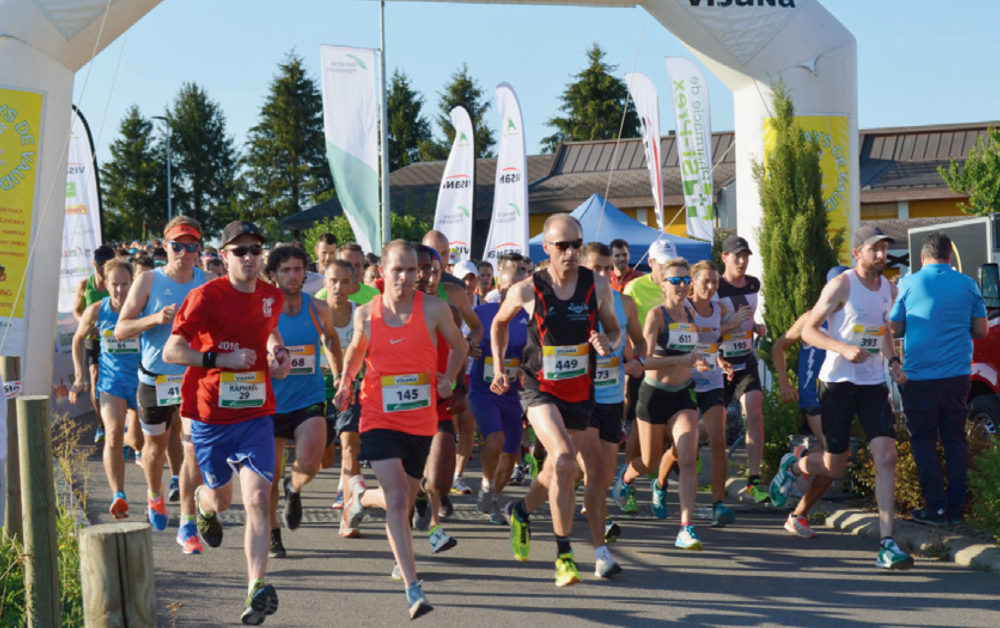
point(593, 106)
point(133, 181)
point(408, 129)
point(285, 167)
point(979, 176)
point(795, 247)
point(465, 91)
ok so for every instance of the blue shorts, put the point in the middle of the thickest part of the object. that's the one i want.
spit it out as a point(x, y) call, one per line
point(223, 449)
point(108, 386)
point(495, 414)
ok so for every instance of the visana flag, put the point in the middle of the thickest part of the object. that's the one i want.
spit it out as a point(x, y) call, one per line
point(82, 223)
point(453, 216)
point(350, 123)
point(509, 225)
point(647, 107)
point(694, 144)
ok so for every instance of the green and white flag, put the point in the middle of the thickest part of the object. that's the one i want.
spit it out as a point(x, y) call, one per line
point(350, 124)
point(453, 216)
point(694, 144)
point(509, 224)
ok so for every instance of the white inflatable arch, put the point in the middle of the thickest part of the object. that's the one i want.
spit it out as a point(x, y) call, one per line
point(746, 43)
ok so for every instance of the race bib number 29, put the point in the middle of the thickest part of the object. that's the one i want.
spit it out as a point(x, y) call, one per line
point(565, 361)
point(247, 389)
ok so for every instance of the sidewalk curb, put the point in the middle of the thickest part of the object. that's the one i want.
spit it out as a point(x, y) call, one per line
point(925, 540)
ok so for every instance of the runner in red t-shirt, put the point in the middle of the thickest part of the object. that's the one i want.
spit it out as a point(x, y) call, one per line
point(228, 397)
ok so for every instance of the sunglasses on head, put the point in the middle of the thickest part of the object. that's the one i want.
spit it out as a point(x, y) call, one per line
point(568, 244)
point(240, 251)
point(191, 247)
point(679, 280)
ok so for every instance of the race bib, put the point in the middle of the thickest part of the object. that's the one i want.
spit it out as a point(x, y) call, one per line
point(512, 366)
point(168, 389)
point(868, 338)
point(118, 347)
point(608, 371)
point(683, 337)
point(707, 352)
point(303, 359)
point(565, 361)
point(242, 389)
point(737, 345)
point(406, 392)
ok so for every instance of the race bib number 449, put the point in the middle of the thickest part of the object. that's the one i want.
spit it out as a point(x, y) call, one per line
point(565, 361)
point(245, 389)
point(406, 392)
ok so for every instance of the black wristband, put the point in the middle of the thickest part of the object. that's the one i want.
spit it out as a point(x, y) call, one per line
point(460, 389)
point(895, 358)
point(208, 359)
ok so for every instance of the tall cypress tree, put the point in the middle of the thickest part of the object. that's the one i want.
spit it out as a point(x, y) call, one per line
point(408, 128)
point(462, 90)
point(795, 247)
point(133, 181)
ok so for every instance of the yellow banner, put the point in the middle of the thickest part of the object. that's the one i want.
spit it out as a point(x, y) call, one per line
point(20, 127)
point(832, 135)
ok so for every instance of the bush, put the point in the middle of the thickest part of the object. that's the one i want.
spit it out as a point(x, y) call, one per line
point(984, 491)
point(780, 421)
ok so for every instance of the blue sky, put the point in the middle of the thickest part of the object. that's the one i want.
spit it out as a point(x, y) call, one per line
point(919, 61)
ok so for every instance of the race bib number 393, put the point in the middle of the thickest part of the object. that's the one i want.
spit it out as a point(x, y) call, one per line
point(303, 359)
point(565, 361)
point(242, 389)
point(406, 392)
point(868, 338)
point(168, 389)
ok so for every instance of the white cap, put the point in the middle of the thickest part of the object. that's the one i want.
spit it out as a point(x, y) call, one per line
point(462, 269)
point(662, 250)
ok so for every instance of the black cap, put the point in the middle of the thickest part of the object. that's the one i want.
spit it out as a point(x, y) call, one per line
point(103, 253)
point(237, 228)
point(735, 244)
point(869, 235)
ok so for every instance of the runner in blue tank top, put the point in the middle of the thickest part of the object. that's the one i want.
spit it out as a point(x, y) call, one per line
point(149, 312)
point(306, 328)
point(116, 379)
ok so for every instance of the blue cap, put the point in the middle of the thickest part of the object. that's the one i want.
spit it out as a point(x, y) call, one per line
point(835, 272)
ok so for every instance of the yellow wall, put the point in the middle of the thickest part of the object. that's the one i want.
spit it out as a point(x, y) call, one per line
point(879, 211)
point(934, 209)
point(535, 222)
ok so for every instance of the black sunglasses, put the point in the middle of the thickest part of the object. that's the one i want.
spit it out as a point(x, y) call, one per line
point(568, 244)
point(240, 251)
point(191, 247)
point(679, 280)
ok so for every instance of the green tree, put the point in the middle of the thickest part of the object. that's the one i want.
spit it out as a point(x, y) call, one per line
point(462, 90)
point(593, 106)
point(204, 160)
point(795, 247)
point(979, 177)
point(408, 129)
point(284, 164)
point(132, 187)
point(407, 227)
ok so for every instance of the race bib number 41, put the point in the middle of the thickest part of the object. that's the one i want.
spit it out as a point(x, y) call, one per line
point(303, 359)
point(737, 345)
point(244, 389)
point(868, 338)
point(565, 361)
point(406, 392)
point(168, 389)
point(118, 347)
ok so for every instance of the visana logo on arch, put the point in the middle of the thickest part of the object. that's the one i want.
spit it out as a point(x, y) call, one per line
point(788, 4)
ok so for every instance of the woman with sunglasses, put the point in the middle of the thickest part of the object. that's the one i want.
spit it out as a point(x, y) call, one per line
point(665, 407)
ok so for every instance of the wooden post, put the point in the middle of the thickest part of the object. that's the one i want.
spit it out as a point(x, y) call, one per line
point(11, 367)
point(38, 503)
point(116, 569)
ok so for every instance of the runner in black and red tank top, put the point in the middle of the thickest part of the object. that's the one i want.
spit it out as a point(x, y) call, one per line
point(565, 302)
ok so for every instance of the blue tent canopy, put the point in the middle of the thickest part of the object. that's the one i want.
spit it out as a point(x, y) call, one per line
point(616, 224)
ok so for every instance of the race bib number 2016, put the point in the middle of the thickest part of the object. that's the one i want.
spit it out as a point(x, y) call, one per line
point(565, 361)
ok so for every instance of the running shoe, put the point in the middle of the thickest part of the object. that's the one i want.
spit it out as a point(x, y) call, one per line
point(799, 526)
point(496, 515)
point(262, 601)
point(631, 507)
point(447, 509)
point(534, 464)
point(421, 512)
point(138, 457)
point(930, 517)
point(611, 531)
point(722, 515)
point(605, 567)
point(782, 480)
point(688, 539)
point(891, 556)
point(119, 507)
point(660, 501)
point(440, 541)
point(338, 501)
point(396, 573)
point(128, 453)
point(348, 533)
point(174, 494)
point(754, 491)
point(622, 490)
point(353, 508)
point(517, 475)
point(484, 501)
point(187, 538)
point(156, 512)
point(417, 601)
point(566, 571)
point(459, 487)
point(520, 533)
point(99, 435)
point(292, 514)
point(209, 526)
point(277, 547)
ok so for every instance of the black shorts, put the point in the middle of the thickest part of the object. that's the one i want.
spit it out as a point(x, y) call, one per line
point(575, 414)
point(744, 381)
point(346, 421)
point(155, 419)
point(709, 399)
point(806, 413)
point(446, 426)
point(658, 406)
point(607, 418)
point(839, 402)
point(286, 423)
point(632, 396)
point(382, 444)
point(91, 351)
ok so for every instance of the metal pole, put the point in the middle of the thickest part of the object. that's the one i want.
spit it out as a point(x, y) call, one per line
point(386, 223)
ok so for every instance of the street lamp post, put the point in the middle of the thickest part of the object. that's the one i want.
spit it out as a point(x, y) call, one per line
point(170, 205)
